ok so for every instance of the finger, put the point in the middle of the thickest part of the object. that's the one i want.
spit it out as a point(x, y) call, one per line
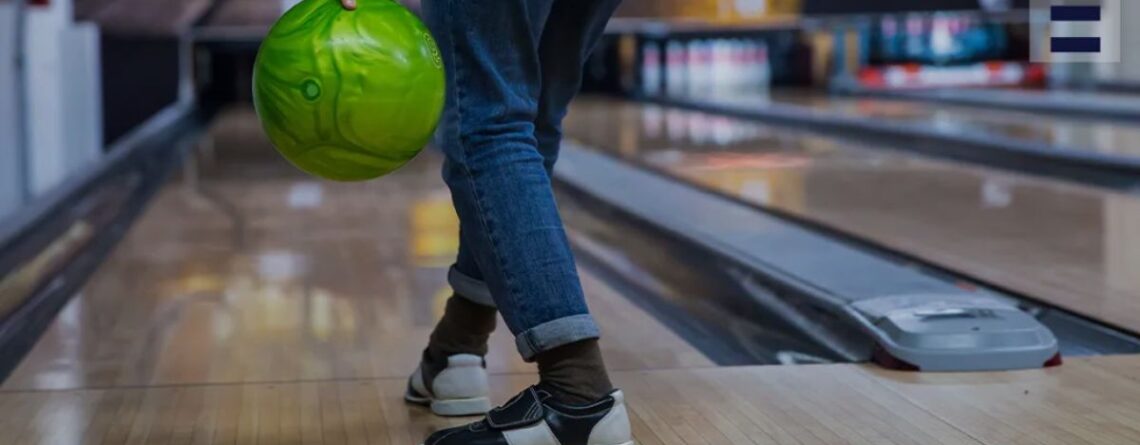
point(348, 4)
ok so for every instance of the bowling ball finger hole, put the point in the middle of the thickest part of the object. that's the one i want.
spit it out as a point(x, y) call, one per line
point(311, 89)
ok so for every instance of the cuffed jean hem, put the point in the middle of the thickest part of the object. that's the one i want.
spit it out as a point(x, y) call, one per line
point(555, 333)
point(469, 288)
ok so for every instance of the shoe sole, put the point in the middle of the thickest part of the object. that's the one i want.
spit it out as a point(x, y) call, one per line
point(461, 407)
point(453, 407)
point(624, 443)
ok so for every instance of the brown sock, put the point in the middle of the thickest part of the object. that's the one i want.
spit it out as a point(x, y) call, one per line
point(574, 373)
point(464, 329)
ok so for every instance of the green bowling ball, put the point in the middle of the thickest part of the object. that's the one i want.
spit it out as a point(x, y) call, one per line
point(348, 95)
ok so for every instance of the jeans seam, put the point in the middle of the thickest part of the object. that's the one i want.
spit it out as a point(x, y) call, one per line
point(470, 178)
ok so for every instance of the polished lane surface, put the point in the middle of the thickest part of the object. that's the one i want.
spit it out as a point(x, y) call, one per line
point(1062, 133)
point(1072, 246)
point(254, 273)
point(260, 307)
point(1087, 401)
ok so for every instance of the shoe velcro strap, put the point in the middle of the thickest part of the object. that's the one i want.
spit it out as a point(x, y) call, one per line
point(525, 409)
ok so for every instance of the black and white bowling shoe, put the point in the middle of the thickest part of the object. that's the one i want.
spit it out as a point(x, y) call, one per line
point(535, 418)
point(458, 390)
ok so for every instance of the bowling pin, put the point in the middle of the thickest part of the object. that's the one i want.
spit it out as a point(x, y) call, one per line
point(941, 41)
point(888, 32)
point(696, 67)
point(722, 66)
point(739, 60)
point(713, 67)
point(710, 67)
point(675, 70)
point(914, 43)
point(748, 69)
point(705, 67)
point(763, 69)
point(651, 69)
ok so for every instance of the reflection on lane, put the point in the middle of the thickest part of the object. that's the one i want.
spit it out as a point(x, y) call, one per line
point(1073, 246)
point(1070, 133)
point(249, 271)
point(267, 276)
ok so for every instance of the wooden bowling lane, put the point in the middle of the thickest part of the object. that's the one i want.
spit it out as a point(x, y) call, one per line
point(1087, 401)
point(1102, 136)
point(256, 306)
point(1072, 246)
point(260, 274)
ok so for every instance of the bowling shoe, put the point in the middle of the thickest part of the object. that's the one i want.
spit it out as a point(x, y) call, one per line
point(458, 390)
point(534, 417)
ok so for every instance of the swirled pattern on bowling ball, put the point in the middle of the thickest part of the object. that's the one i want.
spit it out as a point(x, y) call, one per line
point(349, 95)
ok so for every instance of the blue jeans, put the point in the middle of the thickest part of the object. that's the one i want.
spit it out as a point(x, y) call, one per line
point(512, 68)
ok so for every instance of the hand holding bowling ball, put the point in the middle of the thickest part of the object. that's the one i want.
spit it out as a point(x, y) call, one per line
point(349, 95)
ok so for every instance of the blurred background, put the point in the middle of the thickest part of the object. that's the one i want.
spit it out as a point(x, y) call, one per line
point(92, 70)
point(754, 182)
